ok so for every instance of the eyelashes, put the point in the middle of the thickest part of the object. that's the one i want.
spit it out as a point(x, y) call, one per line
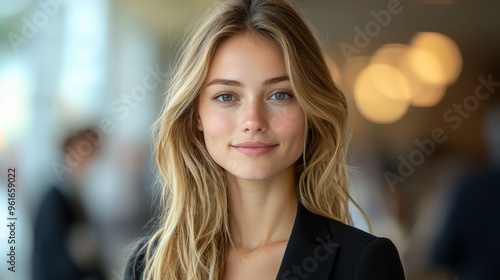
point(279, 95)
point(224, 97)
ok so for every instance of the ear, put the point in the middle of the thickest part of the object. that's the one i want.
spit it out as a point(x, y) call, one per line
point(199, 125)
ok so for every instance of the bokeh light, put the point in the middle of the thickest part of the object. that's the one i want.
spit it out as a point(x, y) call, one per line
point(389, 81)
point(374, 104)
point(435, 58)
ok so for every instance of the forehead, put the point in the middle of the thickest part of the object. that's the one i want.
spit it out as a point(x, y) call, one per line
point(247, 54)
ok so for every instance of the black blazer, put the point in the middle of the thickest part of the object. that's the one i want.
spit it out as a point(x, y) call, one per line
point(319, 249)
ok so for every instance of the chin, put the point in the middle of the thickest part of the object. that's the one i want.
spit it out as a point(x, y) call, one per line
point(255, 174)
point(251, 176)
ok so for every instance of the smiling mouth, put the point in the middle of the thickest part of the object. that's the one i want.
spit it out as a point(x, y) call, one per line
point(254, 149)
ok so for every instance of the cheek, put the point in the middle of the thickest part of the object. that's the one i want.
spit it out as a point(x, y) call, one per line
point(291, 124)
point(215, 124)
point(216, 129)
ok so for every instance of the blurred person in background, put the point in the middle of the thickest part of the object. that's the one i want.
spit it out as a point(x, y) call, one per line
point(467, 244)
point(116, 195)
point(65, 245)
point(251, 148)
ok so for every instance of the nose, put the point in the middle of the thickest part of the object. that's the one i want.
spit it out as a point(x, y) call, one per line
point(254, 117)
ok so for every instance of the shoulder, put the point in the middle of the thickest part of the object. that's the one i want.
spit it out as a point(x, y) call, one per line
point(136, 260)
point(348, 234)
point(361, 255)
point(369, 256)
point(379, 260)
point(340, 233)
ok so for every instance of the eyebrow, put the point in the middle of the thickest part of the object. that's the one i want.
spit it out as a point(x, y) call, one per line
point(235, 83)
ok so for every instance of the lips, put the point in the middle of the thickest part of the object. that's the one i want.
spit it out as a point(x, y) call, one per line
point(254, 148)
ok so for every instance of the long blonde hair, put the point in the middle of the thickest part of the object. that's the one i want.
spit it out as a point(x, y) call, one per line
point(192, 236)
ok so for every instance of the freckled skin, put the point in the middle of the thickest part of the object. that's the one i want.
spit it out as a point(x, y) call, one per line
point(250, 110)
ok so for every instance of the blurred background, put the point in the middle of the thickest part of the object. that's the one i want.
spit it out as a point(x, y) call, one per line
point(81, 83)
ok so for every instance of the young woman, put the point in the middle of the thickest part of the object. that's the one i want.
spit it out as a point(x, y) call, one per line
point(251, 148)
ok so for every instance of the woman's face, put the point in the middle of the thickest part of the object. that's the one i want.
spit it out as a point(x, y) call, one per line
point(253, 125)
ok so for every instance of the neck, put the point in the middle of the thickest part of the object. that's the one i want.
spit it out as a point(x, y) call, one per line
point(262, 212)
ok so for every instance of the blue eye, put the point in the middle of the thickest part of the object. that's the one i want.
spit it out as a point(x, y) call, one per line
point(280, 96)
point(225, 97)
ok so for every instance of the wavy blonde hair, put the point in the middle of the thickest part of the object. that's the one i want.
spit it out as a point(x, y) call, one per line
point(193, 236)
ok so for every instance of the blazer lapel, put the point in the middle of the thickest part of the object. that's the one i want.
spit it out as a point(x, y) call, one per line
point(310, 252)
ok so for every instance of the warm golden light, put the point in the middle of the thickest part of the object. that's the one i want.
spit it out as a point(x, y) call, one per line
point(422, 93)
point(428, 95)
point(435, 58)
point(391, 54)
point(398, 75)
point(389, 81)
point(427, 67)
point(375, 105)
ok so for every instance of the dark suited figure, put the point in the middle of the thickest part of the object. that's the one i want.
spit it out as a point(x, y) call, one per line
point(64, 246)
point(468, 244)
